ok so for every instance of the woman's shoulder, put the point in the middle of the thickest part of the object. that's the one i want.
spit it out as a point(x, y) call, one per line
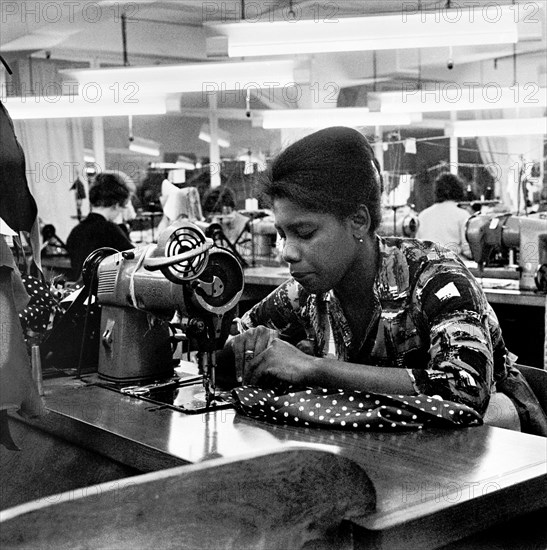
point(415, 250)
point(404, 260)
point(407, 253)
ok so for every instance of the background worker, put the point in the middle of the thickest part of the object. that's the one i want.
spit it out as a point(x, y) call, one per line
point(444, 222)
point(108, 196)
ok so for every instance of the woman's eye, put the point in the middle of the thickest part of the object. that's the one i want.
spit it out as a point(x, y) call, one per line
point(306, 235)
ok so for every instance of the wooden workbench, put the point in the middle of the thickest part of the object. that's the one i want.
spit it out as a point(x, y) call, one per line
point(432, 486)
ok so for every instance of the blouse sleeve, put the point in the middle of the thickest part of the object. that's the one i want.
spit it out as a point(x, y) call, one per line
point(453, 310)
point(280, 310)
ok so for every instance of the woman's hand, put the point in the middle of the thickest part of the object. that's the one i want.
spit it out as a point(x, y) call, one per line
point(280, 361)
point(248, 345)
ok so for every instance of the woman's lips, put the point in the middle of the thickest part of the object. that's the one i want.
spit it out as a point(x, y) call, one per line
point(301, 275)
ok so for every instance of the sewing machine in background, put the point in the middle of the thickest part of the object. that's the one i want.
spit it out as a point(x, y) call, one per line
point(507, 241)
point(181, 289)
point(398, 221)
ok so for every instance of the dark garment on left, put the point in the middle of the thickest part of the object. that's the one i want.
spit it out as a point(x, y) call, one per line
point(90, 234)
point(17, 205)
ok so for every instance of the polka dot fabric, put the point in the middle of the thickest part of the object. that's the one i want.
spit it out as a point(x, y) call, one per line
point(40, 311)
point(352, 410)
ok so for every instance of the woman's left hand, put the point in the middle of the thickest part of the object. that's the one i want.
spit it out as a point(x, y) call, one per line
point(280, 361)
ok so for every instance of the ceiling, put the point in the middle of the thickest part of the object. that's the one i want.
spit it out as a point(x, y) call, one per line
point(172, 31)
point(79, 34)
point(159, 30)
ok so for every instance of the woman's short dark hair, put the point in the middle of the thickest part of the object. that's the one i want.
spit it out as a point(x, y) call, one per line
point(331, 171)
point(150, 189)
point(108, 189)
point(448, 187)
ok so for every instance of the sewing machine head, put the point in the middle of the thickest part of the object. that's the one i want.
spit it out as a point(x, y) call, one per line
point(496, 238)
point(140, 292)
point(399, 221)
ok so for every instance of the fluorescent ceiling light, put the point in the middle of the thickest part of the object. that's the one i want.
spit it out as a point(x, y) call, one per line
point(323, 118)
point(411, 28)
point(185, 162)
point(497, 127)
point(222, 136)
point(145, 147)
point(36, 107)
point(134, 82)
point(456, 97)
point(179, 165)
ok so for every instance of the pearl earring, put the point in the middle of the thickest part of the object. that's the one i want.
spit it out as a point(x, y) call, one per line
point(360, 239)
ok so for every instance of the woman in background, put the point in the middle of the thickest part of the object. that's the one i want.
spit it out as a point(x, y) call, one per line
point(444, 222)
point(108, 196)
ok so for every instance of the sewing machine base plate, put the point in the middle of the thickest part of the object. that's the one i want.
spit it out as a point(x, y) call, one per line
point(186, 398)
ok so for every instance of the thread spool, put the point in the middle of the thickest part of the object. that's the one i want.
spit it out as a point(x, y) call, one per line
point(251, 205)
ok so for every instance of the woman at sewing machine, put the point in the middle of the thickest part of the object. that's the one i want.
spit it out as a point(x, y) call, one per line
point(108, 197)
point(363, 312)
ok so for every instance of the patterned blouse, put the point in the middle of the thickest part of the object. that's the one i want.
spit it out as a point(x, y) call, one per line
point(430, 317)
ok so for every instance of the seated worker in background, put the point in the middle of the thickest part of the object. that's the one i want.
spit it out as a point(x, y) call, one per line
point(361, 312)
point(444, 222)
point(108, 196)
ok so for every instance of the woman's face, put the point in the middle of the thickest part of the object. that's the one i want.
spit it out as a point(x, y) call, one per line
point(318, 247)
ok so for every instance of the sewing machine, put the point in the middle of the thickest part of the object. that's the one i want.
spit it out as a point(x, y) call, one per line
point(509, 241)
point(142, 290)
point(398, 221)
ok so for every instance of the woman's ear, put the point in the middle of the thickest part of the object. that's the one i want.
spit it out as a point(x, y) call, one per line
point(360, 221)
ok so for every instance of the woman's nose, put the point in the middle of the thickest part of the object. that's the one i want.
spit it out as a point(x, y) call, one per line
point(290, 253)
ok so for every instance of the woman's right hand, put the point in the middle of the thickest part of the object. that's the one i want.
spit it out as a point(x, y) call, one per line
point(249, 344)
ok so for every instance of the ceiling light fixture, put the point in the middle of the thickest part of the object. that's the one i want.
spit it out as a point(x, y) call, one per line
point(131, 83)
point(145, 146)
point(497, 127)
point(323, 118)
point(455, 97)
point(412, 28)
point(179, 165)
point(42, 107)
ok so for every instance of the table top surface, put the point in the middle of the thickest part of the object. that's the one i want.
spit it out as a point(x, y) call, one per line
point(415, 473)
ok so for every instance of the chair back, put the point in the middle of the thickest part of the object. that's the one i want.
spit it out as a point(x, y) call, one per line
point(537, 379)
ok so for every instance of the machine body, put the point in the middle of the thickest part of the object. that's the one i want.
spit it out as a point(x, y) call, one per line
point(399, 221)
point(141, 290)
point(500, 240)
point(137, 306)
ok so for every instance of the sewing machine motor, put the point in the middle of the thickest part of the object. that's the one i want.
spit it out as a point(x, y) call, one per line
point(140, 290)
